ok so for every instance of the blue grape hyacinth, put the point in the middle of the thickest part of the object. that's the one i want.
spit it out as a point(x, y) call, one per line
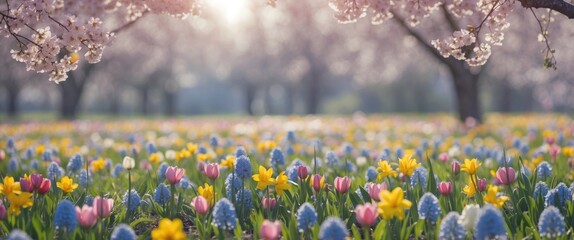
point(75, 163)
point(419, 177)
point(277, 157)
point(18, 234)
point(243, 167)
point(551, 223)
point(333, 228)
point(232, 185)
point(429, 207)
point(544, 170)
point(490, 224)
point(306, 217)
point(65, 216)
point(540, 190)
point(123, 232)
point(558, 196)
point(451, 229)
point(224, 216)
point(162, 194)
point(134, 200)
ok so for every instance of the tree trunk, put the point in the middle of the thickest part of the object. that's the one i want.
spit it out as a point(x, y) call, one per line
point(72, 90)
point(313, 93)
point(115, 102)
point(505, 97)
point(290, 100)
point(467, 94)
point(12, 104)
point(250, 91)
point(144, 100)
point(169, 101)
point(268, 101)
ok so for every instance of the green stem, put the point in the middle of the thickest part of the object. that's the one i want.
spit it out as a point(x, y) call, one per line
point(129, 193)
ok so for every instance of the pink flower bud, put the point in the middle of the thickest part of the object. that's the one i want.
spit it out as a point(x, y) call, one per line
point(2, 155)
point(342, 184)
point(201, 167)
point(212, 171)
point(506, 175)
point(481, 184)
point(2, 211)
point(145, 165)
point(553, 151)
point(366, 214)
point(270, 230)
point(268, 203)
point(302, 172)
point(174, 175)
point(102, 207)
point(445, 188)
point(200, 205)
point(316, 181)
point(374, 190)
point(443, 157)
point(455, 167)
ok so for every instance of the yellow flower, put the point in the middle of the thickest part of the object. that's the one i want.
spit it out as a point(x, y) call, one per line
point(204, 156)
point(98, 165)
point(192, 148)
point(393, 204)
point(491, 198)
point(568, 151)
point(266, 146)
point(9, 186)
point(385, 170)
point(183, 154)
point(470, 166)
point(469, 189)
point(67, 184)
point(282, 183)
point(40, 149)
point(206, 192)
point(169, 230)
point(155, 157)
point(407, 165)
point(228, 162)
point(17, 201)
point(264, 178)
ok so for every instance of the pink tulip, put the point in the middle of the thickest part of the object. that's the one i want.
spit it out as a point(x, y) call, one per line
point(553, 151)
point(174, 175)
point(316, 182)
point(212, 171)
point(36, 180)
point(342, 184)
point(44, 186)
point(145, 165)
point(268, 203)
point(455, 167)
point(26, 186)
point(481, 184)
point(103, 207)
point(445, 188)
point(374, 190)
point(366, 214)
point(200, 205)
point(550, 140)
point(443, 157)
point(302, 172)
point(2, 155)
point(506, 175)
point(86, 216)
point(270, 230)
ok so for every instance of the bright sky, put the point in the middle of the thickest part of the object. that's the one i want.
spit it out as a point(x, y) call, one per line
point(233, 11)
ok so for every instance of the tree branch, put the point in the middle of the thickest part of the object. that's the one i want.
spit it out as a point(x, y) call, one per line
point(128, 25)
point(561, 6)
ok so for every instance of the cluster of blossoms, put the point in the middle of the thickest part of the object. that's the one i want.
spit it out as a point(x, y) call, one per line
point(469, 44)
point(51, 34)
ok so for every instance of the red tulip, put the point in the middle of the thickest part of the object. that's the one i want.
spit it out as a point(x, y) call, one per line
point(2, 211)
point(200, 205)
point(316, 181)
point(174, 175)
point(445, 188)
point(302, 172)
point(366, 214)
point(44, 186)
point(26, 186)
point(86, 216)
point(342, 184)
point(36, 180)
point(212, 171)
point(506, 175)
point(270, 230)
point(102, 207)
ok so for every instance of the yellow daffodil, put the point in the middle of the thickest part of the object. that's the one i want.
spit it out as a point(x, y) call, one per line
point(67, 184)
point(18, 201)
point(183, 154)
point(385, 170)
point(470, 166)
point(40, 149)
point(266, 146)
point(491, 197)
point(568, 151)
point(393, 204)
point(469, 189)
point(228, 162)
point(206, 192)
point(264, 178)
point(169, 230)
point(155, 157)
point(407, 165)
point(9, 186)
point(282, 183)
point(204, 157)
point(98, 165)
point(192, 148)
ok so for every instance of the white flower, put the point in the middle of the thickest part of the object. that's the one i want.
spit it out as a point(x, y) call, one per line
point(469, 216)
point(129, 163)
point(170, 154)
point(361, 161)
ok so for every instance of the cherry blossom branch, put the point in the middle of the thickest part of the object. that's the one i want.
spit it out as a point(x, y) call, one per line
point(561, 6)
point(128, 25)
point(549, 59)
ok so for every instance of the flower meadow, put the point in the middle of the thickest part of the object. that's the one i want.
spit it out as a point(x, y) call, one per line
point(355, 177)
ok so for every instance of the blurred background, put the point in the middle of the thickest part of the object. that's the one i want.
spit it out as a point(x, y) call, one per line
point(243, 57)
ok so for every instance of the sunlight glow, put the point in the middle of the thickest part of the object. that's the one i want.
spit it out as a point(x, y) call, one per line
point(233, 11)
